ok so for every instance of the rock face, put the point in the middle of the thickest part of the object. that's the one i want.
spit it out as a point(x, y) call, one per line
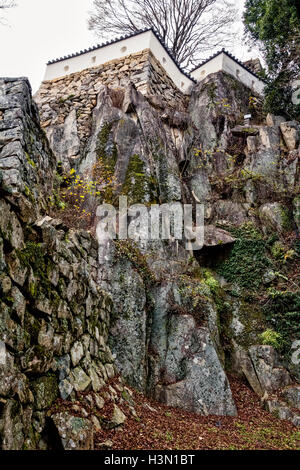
point(172, 322)
point(66, 104)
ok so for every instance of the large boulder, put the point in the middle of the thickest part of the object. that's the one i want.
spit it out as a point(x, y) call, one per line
point(193, 377)
point(271, 374)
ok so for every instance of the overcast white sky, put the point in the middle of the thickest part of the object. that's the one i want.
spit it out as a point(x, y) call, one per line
point(40, 30)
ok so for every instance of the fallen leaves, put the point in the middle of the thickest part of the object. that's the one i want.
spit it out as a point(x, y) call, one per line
point(160, 427)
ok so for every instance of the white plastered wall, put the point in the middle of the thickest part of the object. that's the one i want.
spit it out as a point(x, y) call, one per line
point(118, 50)
point(181, 81)
point(225, 63)
point(213, 66)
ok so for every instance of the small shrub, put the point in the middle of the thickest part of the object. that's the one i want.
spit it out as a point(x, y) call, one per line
point(271, 338)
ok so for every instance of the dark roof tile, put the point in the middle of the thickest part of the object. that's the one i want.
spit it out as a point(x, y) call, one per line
point(231, 57)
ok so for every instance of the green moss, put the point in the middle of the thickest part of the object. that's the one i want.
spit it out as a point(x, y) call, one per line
point(42, 353)
point(248, 231)
point(33, 255)
point(29, 160)
point(210, 281)
point(45, 391)
point(252, 317)
point(196, 299)
point(162, 171)
point(250, 130)
point(33, 326)
point(107, 153)
point(138, 186)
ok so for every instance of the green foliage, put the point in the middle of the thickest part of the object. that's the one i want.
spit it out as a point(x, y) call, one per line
point(271, 338)
point(278, 250)
point(275, 26)
point(248, 231)
point(29, 160)
point(268, 19)
point(246, 264)
point(210, 281)
point(198, 295)
point(283, 312)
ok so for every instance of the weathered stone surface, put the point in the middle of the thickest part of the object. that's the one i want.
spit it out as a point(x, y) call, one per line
point(214, 236)
point(80, 380)
point(282, 411)
point(128, 332)
point(77, 353)
point(292, 396)
point(23, 149)
point(245, 130)
point(244, 363)
point(171, 316)
point(64, 140)
point(296, 205)
point(275, 216)
point(272, 120)
point(193, 377)
point(45, 392)
point(230, 213)
point(75, 433)
point(118, 418)
point(270, 374)
point(12, 426)
point(44, 330)
point(291, 134)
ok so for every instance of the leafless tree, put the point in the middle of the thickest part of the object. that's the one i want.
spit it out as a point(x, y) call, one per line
point(190, 28)
point(4, 4)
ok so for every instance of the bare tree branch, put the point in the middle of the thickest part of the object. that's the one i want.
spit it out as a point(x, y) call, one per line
point(4, 5)
point(7, 4)
point(189, 28)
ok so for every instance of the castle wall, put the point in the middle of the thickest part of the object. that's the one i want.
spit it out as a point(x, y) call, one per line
point(118, 51)
point(213, 66)
point(74, 96)
point(222, 62)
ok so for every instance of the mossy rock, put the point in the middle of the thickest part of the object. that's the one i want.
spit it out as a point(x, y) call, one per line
point(138, 186)
point(45, 391)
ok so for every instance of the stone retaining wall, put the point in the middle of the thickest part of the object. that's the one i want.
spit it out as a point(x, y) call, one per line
point(54, 318)
point(57, 98)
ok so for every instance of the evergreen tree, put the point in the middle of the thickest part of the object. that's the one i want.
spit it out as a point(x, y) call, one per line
point(275, 26)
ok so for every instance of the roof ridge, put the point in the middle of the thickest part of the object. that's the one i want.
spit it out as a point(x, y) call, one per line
point(223, 50)
point(121, 38)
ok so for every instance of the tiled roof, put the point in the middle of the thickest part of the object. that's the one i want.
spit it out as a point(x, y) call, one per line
point(114, 41)
point(231, 57)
